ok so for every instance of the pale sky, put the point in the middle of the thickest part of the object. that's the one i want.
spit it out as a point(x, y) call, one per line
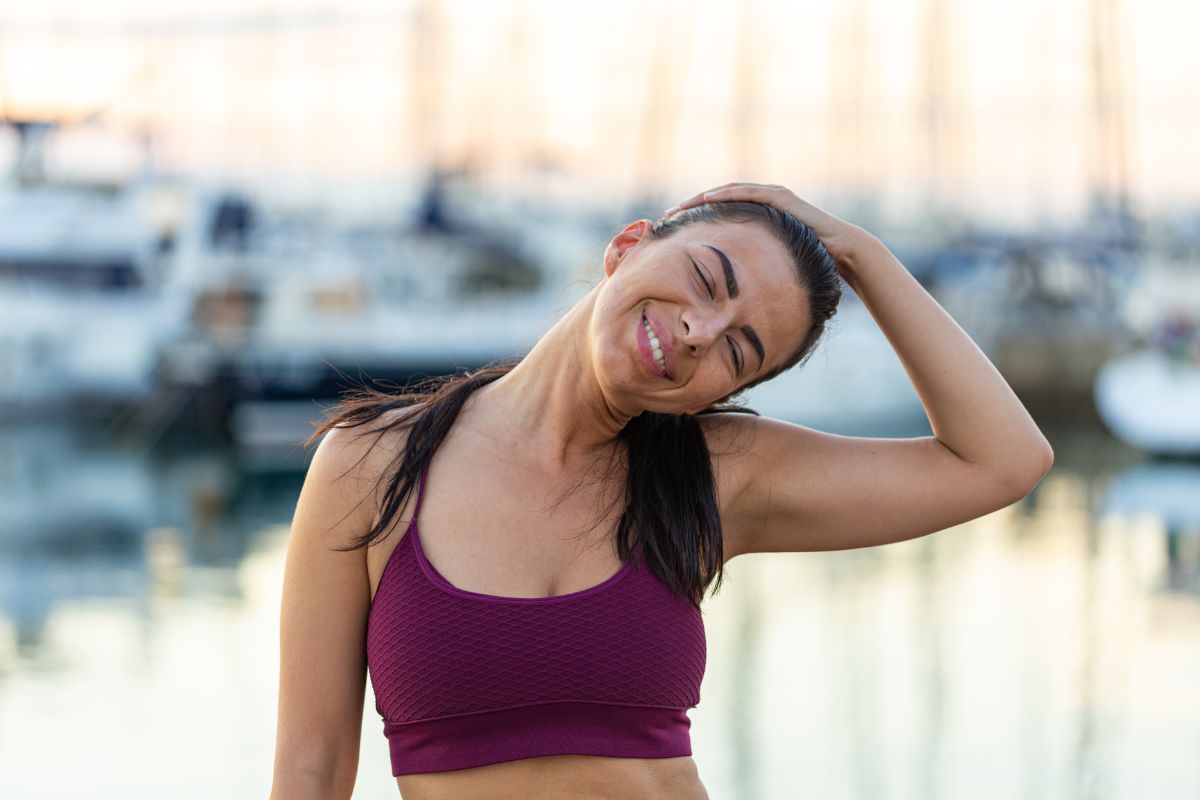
point(627, 94)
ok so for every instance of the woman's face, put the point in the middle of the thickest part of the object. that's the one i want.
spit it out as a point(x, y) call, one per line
point(711, 339)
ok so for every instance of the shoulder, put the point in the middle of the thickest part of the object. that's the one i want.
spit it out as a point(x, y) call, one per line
point(344, 476)
point(379, 437)
point(730, 438)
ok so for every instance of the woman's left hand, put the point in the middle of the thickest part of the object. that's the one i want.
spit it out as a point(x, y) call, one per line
point(837, 235)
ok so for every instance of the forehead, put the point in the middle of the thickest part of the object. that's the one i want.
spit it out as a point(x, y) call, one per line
point(772, 299)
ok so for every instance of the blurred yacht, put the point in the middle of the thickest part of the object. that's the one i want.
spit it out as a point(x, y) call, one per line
point(1149, 397)
point(1148, 394)
point(86, 249)
point(315, 306)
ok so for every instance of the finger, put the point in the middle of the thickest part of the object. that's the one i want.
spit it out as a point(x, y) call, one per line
point(735, 190)
point(724, 187)
point(699, 198)
point(694, 200)
point(739, 191)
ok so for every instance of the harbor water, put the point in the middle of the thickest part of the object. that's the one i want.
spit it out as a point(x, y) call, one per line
point(1047, 650)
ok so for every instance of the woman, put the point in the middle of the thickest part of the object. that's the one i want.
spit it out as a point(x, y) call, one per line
point(537, 633)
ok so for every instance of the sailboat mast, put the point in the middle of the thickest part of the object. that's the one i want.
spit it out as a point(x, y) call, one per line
point(1109, 172)
point(747, 105)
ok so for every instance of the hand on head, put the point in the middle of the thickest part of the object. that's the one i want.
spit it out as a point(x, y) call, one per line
point(833, 232)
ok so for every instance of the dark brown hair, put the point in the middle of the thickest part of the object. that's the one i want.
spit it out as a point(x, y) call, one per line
point(670, 492)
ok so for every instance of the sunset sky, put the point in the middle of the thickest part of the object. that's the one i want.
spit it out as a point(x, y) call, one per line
point(625, 96)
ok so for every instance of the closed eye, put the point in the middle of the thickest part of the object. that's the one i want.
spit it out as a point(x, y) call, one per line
point(737, 358)
point(711, 292)
point(733, 351)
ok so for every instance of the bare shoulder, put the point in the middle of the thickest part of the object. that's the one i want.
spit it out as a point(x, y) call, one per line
point(729, 438)
point(785, 487)
point(350, 460)
point(340, 498)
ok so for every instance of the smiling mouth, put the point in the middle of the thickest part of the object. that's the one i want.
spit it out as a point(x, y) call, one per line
point(655, 347)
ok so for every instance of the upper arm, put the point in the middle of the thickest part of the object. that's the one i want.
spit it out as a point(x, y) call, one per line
point(326, 597)
point(793, 488)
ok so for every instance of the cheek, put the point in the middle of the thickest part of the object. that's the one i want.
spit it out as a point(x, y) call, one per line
point(712, 379)
point(613, 342)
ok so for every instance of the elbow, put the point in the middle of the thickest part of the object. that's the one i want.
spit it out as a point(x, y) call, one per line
point(1046, 461)
point(1026, 480)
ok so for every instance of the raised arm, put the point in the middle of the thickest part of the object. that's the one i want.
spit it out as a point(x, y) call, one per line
point(326, 596)
point(794, 488)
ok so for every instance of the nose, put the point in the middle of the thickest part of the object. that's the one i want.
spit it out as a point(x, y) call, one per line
point(701, 330)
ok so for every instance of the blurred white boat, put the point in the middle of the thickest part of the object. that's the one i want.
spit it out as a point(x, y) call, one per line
point(85, 281)
point(278, 326)
point(1151, 401)
point(1149, 396)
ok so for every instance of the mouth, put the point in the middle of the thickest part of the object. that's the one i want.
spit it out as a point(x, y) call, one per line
point(652, 349)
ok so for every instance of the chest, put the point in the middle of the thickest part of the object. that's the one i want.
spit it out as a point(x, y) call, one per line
point(507, 598)
point(494, 527)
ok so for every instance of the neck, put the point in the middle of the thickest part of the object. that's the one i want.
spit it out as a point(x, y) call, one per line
point(550, 407)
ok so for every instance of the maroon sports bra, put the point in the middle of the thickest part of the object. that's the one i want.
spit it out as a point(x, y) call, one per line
point(463, 679)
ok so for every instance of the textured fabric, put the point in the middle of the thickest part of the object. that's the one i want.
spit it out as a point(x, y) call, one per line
point(463, 679)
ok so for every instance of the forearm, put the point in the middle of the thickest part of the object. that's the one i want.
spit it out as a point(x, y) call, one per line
point(971, 408)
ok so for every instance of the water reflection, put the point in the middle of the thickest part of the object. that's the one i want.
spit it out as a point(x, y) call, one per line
point(84, 522)
point(1047, 650)
point(744, 697)
point(932, 654)
point(1165, 493)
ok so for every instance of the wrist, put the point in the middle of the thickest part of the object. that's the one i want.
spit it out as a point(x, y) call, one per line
point(851, 246)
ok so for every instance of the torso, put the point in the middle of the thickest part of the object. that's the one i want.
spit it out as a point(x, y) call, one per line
point(534, 548)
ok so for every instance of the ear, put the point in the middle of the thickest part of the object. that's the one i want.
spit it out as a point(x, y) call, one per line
point(620, 244)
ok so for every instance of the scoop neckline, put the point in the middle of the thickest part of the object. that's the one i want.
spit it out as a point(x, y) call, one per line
point(439, 580)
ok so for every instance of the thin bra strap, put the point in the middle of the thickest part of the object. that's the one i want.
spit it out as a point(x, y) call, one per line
point(420, 495)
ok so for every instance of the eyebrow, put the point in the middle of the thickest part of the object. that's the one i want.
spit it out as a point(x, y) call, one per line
point(731, 285)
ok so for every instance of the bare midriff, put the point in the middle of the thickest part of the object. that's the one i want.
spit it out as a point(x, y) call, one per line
point(555, 777)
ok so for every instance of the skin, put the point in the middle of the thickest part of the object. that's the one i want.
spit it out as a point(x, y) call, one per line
point(560, 411)
point(551, 423)
point(584, 381)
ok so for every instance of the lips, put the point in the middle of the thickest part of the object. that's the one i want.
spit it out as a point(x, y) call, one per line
point(645, 354)
point(664, 341)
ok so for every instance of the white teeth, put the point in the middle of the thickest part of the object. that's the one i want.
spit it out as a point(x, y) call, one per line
point(656, 346)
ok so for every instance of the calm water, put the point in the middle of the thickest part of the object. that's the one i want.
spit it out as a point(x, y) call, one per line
point(1049, 650)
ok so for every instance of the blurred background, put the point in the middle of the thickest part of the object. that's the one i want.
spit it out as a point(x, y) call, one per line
point(215, 216)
